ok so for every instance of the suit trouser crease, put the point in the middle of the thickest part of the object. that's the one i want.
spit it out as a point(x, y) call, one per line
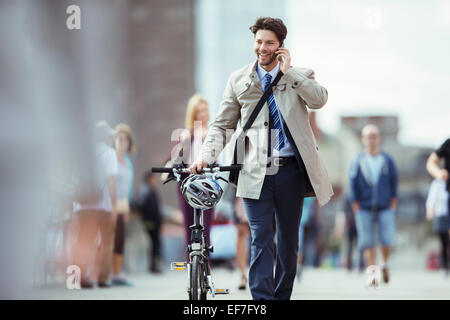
point(281, 200)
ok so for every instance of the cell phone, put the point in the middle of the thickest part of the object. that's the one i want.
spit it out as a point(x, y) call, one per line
point(281, 46)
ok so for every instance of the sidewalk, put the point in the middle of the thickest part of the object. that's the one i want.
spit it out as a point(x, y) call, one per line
point(316, 284)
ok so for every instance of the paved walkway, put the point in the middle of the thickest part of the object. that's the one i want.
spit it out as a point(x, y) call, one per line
point(315, 284)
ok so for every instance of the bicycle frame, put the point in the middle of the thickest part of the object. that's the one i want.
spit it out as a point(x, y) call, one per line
point(197, 247)
point(198, 268)
point(197, 228)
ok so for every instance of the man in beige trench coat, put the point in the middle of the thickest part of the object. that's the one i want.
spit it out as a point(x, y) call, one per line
point(281, 156)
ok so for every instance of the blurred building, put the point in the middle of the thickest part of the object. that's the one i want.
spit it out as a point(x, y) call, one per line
point(160, 60)
point(224, 42)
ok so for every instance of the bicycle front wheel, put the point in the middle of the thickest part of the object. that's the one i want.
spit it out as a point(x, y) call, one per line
point(197, 280)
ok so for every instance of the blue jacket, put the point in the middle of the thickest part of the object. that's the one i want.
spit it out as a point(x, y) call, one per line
point(373, 197)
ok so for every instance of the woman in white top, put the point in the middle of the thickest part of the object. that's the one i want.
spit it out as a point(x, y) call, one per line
point(96, 215)
point(437, 211)
point(124, 145)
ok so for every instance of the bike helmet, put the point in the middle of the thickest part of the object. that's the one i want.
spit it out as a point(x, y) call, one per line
point(201, 191)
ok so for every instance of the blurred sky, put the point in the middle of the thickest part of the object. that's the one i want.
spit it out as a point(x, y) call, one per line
point(378, 57)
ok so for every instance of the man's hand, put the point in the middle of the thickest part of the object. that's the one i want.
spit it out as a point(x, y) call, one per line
point(197, 166)
point(114, 215)
point(285, 59)
point(434, 169)
point(430, 214)
point(393, 204)
point(355, 207)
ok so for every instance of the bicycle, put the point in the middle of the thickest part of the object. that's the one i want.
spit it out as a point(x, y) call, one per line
point(198, 268)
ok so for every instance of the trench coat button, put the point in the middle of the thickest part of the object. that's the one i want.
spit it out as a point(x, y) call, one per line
point(266, 123)
point(296, 83)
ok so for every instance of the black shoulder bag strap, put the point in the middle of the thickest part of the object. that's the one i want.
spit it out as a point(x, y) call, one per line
point(233, 178)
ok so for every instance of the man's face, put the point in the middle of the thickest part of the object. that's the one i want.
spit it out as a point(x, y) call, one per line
point(266, 43)
point(371, 140)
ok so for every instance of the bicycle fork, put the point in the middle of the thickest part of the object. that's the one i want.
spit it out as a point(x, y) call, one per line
point(197, 247)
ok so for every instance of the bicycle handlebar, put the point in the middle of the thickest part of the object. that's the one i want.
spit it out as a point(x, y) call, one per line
point(204, 170)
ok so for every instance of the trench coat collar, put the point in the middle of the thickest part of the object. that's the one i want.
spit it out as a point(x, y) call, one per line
point(252, 73)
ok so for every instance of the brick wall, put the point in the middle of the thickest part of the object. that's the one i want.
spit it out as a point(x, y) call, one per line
point(160, 69)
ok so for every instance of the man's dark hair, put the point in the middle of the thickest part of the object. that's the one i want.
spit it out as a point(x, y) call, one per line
point(272, 24)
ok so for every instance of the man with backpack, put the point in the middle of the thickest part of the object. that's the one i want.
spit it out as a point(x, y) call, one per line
point(373, 192)
point(95, 209)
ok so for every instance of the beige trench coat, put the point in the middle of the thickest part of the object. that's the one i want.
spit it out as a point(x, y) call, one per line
point(296, 89)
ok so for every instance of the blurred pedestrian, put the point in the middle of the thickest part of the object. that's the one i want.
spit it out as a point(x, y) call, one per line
point(242, 245)
point(96, 216)
point(124, 145)
point(437, 211)
point(197, 117)
point(305, 219)
point(351, 236)
point(443, 153)
point(373, 192)
point(232, 208)
point(147, 203)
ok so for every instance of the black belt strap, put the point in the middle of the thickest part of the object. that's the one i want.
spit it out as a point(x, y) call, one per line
point(253, 116)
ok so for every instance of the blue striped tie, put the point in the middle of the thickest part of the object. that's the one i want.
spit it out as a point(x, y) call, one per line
point(274, 114)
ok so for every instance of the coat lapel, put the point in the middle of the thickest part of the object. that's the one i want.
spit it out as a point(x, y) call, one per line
point(252, 74)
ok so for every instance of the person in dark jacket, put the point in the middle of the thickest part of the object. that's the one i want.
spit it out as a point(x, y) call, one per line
point(373, 192)
point(146, 202)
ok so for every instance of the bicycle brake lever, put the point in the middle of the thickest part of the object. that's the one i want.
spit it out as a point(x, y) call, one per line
point(169, 179)
point(220, 178)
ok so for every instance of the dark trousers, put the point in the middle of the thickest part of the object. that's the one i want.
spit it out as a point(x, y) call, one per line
point(153, 230)
point(281, 198)
point(444, 237)
point(352, 237)
point(119, 235)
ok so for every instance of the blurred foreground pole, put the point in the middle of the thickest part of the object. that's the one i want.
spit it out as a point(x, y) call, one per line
point(55, 84)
